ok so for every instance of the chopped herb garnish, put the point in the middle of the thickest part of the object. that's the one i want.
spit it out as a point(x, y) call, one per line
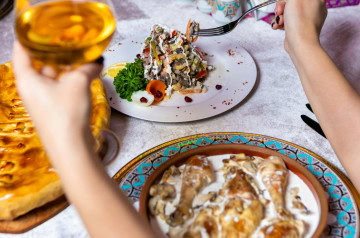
point(130, 79)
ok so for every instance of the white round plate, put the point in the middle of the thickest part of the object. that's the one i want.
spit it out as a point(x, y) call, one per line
point(235, 71)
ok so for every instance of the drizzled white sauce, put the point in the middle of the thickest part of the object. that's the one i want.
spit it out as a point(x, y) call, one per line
point(308, 199)
point(306, 195)
point(155, 68)
point(168, 68)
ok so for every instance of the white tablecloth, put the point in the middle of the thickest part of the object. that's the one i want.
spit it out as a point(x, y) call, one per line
point(273, 108)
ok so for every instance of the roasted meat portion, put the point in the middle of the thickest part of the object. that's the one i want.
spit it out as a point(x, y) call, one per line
point(284, 229)
point(274, 175)
point(197, 174)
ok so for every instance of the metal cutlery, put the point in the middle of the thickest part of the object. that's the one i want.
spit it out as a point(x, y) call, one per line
point(230, 26)
point(309, 107)
point(311, 123)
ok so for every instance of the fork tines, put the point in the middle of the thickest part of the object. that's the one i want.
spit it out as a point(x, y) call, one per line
point(229, 27)
point(216, 31)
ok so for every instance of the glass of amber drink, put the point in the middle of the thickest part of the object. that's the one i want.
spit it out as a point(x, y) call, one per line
point(64, 32)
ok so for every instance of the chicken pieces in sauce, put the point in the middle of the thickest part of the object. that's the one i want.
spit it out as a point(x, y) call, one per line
point(236, 210)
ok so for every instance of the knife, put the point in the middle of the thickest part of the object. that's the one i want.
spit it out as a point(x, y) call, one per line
point(313, 125)
point(309, 107)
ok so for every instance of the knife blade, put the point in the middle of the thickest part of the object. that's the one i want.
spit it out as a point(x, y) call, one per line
point(309, 107)
point(313, 125)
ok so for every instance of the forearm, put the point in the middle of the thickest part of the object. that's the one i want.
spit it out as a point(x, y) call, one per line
point(335, 103)
point(105, 211)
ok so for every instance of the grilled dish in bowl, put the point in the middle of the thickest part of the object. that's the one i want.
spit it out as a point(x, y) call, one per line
point(234, 191)
point(27, 180)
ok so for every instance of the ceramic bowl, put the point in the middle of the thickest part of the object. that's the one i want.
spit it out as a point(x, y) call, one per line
point(304, 174)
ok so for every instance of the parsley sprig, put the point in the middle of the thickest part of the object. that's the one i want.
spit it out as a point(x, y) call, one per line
point(130, 79)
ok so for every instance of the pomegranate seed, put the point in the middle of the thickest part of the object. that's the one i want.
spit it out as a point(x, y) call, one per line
point(138, 56)
point(218, 87)
point(158, 94)
point(143, 100)
point(188, 99)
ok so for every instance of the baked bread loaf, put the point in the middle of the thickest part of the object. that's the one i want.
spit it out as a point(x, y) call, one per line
point(27, 180)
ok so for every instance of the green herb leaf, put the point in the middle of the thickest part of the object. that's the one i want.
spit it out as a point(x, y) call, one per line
point(130, 79)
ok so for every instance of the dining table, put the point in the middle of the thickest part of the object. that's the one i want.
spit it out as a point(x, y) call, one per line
point(272, 108)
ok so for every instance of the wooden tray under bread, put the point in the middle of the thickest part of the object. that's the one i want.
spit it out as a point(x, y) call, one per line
point(40, 215)
point(34, 218)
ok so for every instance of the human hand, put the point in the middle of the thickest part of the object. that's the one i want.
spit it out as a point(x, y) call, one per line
point(60, 109)
point(302, 21)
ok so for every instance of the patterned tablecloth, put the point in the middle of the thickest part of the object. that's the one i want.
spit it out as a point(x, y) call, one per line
point(273, 108)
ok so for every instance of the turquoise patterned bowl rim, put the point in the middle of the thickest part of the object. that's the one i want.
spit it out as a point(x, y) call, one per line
point(343, 199)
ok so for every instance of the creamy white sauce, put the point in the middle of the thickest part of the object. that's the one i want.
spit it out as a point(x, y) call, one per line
point(155, 68)
point(161, 42)
point(307, 198)
point(311, 219)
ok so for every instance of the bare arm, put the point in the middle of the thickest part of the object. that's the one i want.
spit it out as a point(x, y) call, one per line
point(105, 211)
point(335, 103)
point(60, 111)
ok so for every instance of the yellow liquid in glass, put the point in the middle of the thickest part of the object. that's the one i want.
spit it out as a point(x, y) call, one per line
point(66, 32)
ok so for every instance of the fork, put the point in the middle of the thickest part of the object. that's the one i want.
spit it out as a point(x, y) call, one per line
point(221, 30)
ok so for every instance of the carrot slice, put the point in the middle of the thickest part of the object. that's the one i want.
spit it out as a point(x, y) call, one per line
point(188, 30)
point(156, 88)
point(188, 33)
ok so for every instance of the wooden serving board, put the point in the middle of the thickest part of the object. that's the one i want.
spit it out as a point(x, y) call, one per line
point(34, 218)
point(41, 214)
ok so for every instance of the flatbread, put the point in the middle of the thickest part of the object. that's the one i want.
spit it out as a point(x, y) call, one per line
point(27, 179)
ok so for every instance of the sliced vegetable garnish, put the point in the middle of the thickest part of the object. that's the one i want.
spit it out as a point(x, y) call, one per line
point(200, 53)
point(201, 74)
point(156, 88)
point(189, 33)
point(176, 56)
point(153, 47)
point(146, 52)
point(188, 30)
point(190, 91)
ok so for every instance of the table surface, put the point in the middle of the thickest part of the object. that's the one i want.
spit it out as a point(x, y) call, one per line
point(273, 108)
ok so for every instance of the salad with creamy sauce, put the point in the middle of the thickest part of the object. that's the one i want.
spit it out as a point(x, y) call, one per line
point(168, 62)
point(171, 58)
